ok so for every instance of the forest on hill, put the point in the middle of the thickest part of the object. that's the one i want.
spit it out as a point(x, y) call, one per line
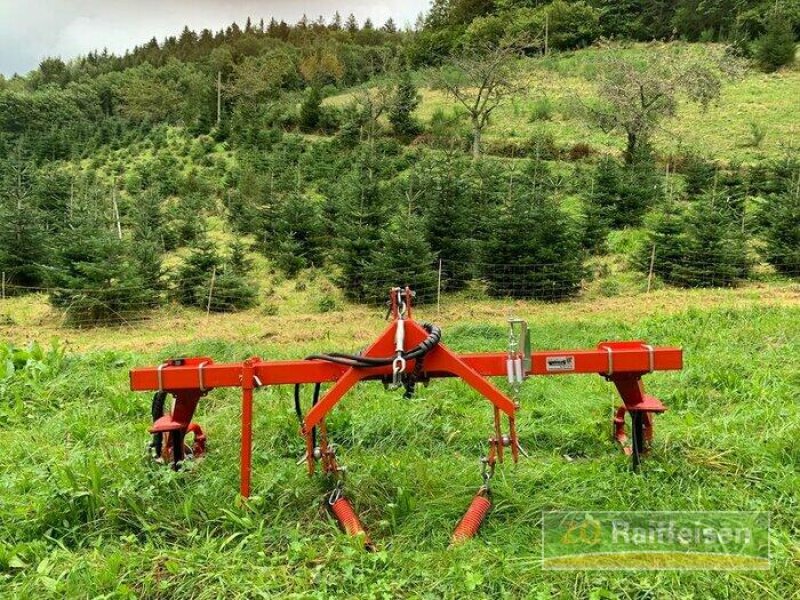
point(127, 182)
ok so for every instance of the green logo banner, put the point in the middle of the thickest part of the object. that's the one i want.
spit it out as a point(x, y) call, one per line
point(655, 540)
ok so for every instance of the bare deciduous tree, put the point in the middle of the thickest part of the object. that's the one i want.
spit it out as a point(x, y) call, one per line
point(480, 81)
point(635, 95)
point(371, 104)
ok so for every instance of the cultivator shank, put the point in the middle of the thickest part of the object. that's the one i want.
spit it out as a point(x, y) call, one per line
point(405, 354)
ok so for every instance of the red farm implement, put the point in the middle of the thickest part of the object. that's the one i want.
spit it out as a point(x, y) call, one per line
point(405, 354)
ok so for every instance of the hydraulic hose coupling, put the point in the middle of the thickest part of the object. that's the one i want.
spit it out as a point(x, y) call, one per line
point(472, 519)
point(348, 519)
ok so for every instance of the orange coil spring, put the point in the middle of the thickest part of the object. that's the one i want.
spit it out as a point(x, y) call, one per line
point(471, 522)
point(348, 519)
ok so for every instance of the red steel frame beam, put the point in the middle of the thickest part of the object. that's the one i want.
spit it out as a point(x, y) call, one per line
point(486, 364)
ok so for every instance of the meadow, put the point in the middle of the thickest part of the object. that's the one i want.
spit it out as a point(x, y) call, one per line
point(558, 85)
point(83, 513)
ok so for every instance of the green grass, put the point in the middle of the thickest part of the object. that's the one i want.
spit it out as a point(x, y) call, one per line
point(82, 514)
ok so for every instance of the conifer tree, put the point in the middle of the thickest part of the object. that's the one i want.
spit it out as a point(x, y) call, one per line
point(623, 193)
point(148, 239)
point(533, 249)
point(311, 109)
point(298, 232)
point(234, 288)
point(405, 258)
point(666, 243)
point(715, 245)
point(442, 191)
point(95, 276)
point(24, 248)
point(359, 214)
point(406, 100)
point(195, 275)
point(776, 48)
point(781, 217)
point(209, 280)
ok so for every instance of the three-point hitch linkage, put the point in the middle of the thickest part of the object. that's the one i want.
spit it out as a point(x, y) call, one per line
point(405, 354)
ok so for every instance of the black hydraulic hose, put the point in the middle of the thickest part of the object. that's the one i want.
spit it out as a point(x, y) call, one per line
point(356, 360)
point(339, 361)
point(299, 411)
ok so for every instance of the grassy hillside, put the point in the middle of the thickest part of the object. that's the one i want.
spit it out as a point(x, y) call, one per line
point(559, 83)
point(82, 512)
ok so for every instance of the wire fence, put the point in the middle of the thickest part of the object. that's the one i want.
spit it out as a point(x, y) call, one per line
point(444, 283)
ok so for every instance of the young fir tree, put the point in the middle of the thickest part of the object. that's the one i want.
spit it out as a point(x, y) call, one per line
point(776, 48)
point(207, 280)
point(96, 278)
point(405, 259)
point(297, 241)
point(441, 189)
point(24, 247)
point(148, 237)
point(698, 173)
point(781, 218)
point(666, 243)
point(193, 279)
point(595, 227)
point(533, 249)
point(359, 214)
point(401, 112)
point(311, 109)
point(715, 245)
point(235, 289)
point(623, 192)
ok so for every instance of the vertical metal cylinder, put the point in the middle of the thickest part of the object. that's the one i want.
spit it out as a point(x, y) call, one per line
point(248, 374)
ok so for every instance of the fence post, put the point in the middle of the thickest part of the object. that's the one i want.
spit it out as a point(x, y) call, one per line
point(3, 286)
point(211, 291)
point(439, 290)
point(652, 264)
point(546, 32)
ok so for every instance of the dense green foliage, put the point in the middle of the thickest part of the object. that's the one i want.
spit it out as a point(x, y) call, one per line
point(96, 278)
point(454, 24)
point(405, 102)
point(623, 192)
point(214, 282)
point(776, 48)
point(703, 247)
point(780, 214)
point(532, 250)
point(112, 167)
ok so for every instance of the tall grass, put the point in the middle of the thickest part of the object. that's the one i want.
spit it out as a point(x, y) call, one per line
point(83, 514)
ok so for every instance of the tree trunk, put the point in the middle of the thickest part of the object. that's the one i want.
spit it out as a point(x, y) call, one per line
point(476, 140)
point(630, 151)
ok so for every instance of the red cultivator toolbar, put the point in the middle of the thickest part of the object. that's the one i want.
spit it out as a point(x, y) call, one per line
point(405, 354)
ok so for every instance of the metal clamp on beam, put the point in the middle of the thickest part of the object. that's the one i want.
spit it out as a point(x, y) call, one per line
point(200, 375)
point(160, 376)
point(651, 357)
point(610, 370)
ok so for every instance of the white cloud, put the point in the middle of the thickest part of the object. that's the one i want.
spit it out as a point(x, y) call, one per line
point(33, 29)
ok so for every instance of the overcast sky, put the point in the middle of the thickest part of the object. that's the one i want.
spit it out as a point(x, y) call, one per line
point(33, 29)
